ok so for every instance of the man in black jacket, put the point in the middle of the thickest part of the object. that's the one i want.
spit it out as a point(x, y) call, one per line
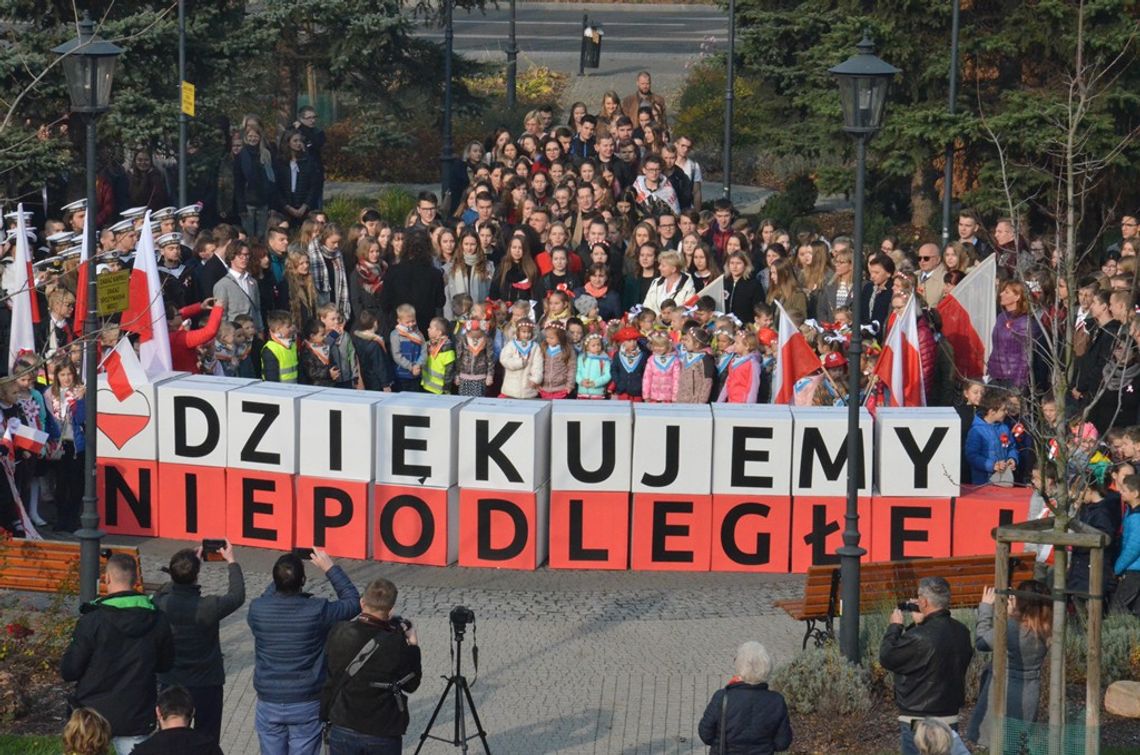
point(194, 619)
point(364, 715)
point(929, 661)
point(175, 711)
point(120, 643)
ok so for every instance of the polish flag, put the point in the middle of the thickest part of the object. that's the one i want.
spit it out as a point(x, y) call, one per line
point(968, 316)
point(795, 358)
point(146, 313)
point(81, 285)
point(715, 289)
point(29, 439)
point(124, 372)
point(22, 339)
point(900, 364)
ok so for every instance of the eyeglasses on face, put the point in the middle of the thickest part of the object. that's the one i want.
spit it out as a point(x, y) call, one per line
point(927, 257)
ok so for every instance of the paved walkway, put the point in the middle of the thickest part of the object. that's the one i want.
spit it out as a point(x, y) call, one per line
point(569, 662)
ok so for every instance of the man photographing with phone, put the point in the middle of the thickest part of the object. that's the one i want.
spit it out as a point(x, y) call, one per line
point(194, 620)
point(289, 632)
point(373, 661)
point(929, 661)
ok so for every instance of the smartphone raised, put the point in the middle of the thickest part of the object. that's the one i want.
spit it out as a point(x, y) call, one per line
point(212, 549)
point(305, 554)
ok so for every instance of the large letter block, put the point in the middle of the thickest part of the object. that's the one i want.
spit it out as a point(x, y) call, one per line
point(817, 530)
point(418, 440)
point(337, 435)
point(903, 528)
point(416, 525)
point(591, 443)
point(750, 450)
point(192, 505)
point(260, 509)
point(333, 515)
point(263, 429)
point(819, 451)
point(671, 532)
point(660, 432)
point(918, 451)
point(978, 510)
point(504, 444)
point(589, 530)
point(504, 529)
point(751, 533)
point(129, 429)
point(192, 412)
point(127, 491)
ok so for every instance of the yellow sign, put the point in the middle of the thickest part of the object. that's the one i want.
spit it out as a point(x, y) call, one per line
point(188, 98)
point(113, 292)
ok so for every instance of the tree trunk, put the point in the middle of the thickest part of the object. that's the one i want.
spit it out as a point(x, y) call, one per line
point(921, 203)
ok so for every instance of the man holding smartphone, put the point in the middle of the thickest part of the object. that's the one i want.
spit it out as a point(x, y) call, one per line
point(289, 632)
point(194, 619)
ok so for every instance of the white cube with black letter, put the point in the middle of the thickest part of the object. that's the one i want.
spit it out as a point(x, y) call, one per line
point(417, 440)
point(918, 451)
point(194, 417)
point(750, 449)
point(671, 443)
point(504, 444)
point(337, 434)
point(591, 445)
point(263, 428)
point(819, 451)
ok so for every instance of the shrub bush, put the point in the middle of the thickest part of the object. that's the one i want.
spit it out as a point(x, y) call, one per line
point(393, 203)
point(1119, 638)
point(820, 681)
point(795, 201)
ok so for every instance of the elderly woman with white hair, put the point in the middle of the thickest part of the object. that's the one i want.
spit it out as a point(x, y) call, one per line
point(746, 717)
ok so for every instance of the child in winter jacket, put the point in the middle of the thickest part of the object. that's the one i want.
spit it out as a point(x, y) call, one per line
point(559, 364)
point(742, 382)
point(628, 365)
point(476, 365)
point(989, 448)
point(593, 373)
point(1127, 567)
point(695, 381)
point(659, 384)
point(522, 363)
point(407, 349)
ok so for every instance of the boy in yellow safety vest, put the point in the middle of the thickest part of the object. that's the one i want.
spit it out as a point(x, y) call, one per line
point(279, 355)
point(439, 369)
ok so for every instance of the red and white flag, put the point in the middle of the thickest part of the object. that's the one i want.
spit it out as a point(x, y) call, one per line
point(81, 285)
point(900, 363)
point(21, 338)
point(795, 358)
point(124, 372)
point(29, 439)
point(146, 313)
point(715, 289)
point(968, 315)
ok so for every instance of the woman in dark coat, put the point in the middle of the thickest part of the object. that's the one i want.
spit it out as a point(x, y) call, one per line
point(1117, 403)
point(414, 280)
point(752, 719)
point(742, 291)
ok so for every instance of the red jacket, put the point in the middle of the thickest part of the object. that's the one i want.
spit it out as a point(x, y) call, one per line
point(184, 343)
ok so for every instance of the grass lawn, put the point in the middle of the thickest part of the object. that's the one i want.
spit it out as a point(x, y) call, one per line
point(14, 744)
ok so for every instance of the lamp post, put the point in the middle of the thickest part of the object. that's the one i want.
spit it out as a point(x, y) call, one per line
point(181, 110)
point(730, 83)
point(948, 176)
point(512, 63)
point(89, 65)
point(447, 157)
point(863, 82)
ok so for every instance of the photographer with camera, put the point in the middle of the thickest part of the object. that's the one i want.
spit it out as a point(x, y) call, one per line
point(373, 661)
point(194, 619)
point(929, 659)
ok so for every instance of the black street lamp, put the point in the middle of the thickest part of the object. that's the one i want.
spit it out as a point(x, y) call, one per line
point(729, 96)
point(447, 156)
point(89, 65)
point(863, 83)
point(512, 64)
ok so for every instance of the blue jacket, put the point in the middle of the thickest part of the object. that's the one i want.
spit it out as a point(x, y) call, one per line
point(1129, 558)
point(756, 720)
point(984, 446)
point(289, 633)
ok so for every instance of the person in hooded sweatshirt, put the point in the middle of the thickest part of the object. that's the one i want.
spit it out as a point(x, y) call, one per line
point(120, 645)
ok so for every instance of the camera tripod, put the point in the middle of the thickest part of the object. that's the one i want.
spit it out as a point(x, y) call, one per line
point(462, 692)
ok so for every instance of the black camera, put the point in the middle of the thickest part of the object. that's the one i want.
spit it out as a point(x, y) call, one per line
point(908, 607)
point(461, 616)
point(400, 624)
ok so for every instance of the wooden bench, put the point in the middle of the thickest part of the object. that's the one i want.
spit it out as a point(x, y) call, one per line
point(49, 565)
point(883, 585)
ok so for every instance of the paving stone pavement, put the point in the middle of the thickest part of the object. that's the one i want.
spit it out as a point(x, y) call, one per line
point(569, 662)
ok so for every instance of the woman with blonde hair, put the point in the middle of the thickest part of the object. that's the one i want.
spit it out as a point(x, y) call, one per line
point(784, 288)
point(959, 255)
point(86, 733)
point(309, 230)
point(672, 282)
point(610, 112)
point(300, 289)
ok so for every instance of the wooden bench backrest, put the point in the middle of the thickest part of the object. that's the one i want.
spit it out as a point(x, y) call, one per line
point(882, 585)
point(48, 565)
